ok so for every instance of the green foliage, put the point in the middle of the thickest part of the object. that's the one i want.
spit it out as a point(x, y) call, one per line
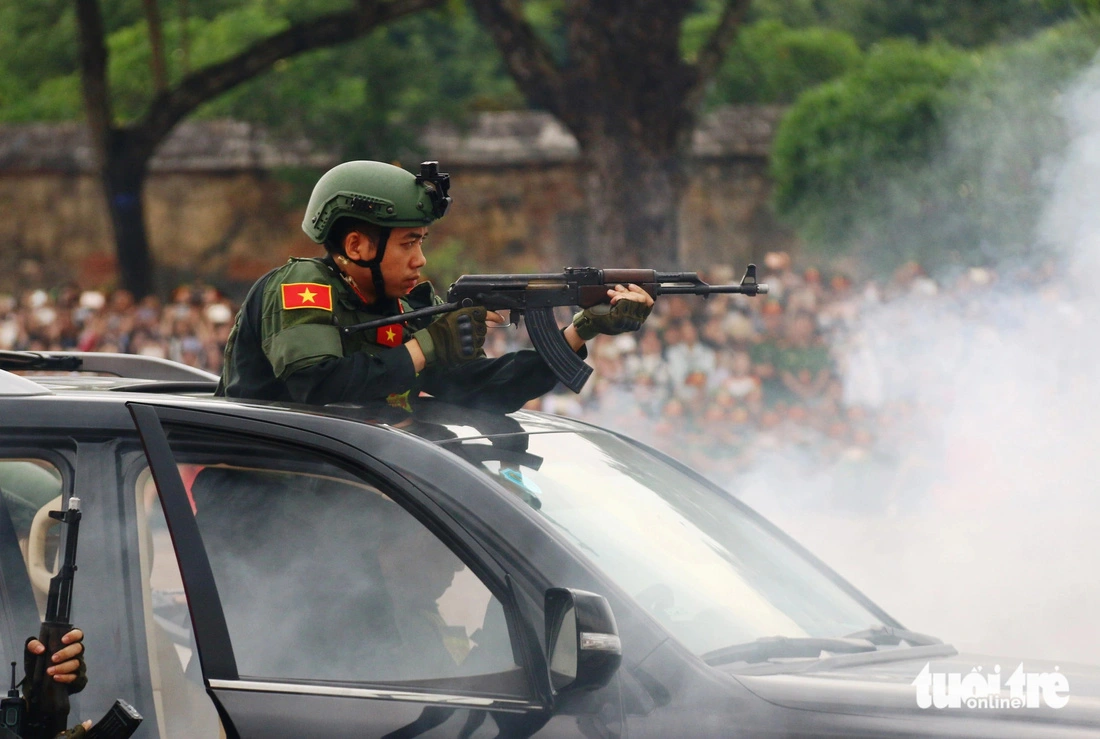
point(929, 153)
point(370, 98)
point(37, 43)
point(547, 18)
point(1083, 8)
point(967, 23)
point(447, 261)
point(364, 99)
point(883, 112)
point(771, 63)
point(212, 41)
point(39, 51)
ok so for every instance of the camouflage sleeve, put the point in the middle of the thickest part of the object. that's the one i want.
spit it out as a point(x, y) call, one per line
point(295, 334)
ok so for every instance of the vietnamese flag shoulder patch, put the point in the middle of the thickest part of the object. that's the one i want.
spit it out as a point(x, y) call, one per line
point(306, 295)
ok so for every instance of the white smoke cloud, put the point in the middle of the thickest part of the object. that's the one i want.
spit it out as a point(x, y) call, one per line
point(987, 532)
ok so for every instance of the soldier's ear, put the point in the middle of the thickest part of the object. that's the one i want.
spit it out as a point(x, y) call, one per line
point(358, 245)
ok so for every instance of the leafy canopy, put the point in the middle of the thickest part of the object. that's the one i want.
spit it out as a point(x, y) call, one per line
point(365, 98)
point(929, 153)
point(965, 23)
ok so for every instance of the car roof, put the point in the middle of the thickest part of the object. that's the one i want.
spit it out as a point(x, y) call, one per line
point(118, 377)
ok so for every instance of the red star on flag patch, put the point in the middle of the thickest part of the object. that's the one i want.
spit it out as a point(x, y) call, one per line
point(392, 335)
point(307, 295)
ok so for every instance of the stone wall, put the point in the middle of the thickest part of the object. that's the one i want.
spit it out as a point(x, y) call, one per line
point(221, 207)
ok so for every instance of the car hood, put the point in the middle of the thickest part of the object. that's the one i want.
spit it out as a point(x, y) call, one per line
point(882, 684)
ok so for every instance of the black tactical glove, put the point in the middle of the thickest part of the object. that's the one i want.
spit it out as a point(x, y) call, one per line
point(625, 315)
point(454, 339)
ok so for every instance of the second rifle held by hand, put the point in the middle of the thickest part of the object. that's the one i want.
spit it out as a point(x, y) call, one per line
point(49, 713)
point(47, 699)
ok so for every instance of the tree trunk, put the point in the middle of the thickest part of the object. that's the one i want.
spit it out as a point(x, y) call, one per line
point(123, 153)
point(623, 88)
point(156, 44)
point(124, 173)
point(633, 197)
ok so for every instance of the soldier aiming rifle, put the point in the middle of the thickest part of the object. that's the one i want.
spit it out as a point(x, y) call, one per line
point(303, 333)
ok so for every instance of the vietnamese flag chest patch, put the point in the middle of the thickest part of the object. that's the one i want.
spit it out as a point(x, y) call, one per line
point(307, 295)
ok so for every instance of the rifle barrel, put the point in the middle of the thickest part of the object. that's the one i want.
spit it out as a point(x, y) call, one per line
point(704, 289)
point(59, 602)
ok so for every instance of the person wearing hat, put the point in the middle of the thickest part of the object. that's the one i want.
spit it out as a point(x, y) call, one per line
point(372, 218)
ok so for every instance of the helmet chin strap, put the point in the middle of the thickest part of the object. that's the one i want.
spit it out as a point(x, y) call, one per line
point(375, 265)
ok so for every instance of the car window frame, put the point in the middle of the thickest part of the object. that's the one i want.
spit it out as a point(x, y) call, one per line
point(209, 625)
point(24, 448)
point(87, 458)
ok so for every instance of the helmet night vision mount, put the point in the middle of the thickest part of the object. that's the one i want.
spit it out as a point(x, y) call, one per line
point(436, 184)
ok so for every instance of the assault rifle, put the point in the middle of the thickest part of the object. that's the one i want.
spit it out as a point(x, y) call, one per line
point(47, 699)
point(536, 296)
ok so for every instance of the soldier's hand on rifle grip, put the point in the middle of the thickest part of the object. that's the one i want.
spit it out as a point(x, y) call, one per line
point(67, 662)
point(455, 338)
point(629, 307)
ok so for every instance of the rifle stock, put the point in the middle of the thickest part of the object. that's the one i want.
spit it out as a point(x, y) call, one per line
point(536, 295)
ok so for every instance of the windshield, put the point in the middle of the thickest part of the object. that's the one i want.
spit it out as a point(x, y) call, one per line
point(689, 556)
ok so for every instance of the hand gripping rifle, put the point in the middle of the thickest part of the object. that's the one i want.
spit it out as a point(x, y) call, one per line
point(537, 295)
point(47, 699)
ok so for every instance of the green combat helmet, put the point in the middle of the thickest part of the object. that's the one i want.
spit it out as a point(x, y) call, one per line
point(377, 193)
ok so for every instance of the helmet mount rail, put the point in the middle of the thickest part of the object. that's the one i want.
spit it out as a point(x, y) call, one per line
point(436, 184)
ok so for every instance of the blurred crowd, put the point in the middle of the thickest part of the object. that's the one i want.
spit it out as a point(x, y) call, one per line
point(722, 382)
point(715, 382)
point(191, 328)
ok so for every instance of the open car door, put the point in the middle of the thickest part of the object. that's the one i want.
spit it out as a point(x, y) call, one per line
point(327, 595)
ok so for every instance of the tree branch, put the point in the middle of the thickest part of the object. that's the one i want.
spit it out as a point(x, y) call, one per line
point(528, 58)
point(93, 71)
point(185, 36)
point(156, 44)
point(714, 50)
point(170, 107)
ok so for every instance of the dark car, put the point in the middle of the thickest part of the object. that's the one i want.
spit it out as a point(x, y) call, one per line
point(257, 570)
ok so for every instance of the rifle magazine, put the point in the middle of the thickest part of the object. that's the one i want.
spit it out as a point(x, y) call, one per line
point(570, 369)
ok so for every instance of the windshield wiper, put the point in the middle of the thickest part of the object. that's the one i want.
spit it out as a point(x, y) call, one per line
point(771, 647)
point(892, 635)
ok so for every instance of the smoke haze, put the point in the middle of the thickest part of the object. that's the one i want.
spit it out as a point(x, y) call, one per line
point(986, 533)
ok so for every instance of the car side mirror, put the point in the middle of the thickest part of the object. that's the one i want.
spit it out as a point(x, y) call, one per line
point(581, 639)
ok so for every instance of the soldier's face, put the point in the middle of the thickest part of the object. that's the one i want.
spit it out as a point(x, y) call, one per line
point(403, 260)
point(401, 264)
